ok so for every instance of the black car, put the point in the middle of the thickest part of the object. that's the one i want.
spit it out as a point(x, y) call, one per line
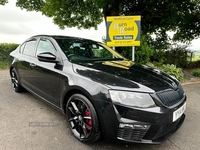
point(102, 93)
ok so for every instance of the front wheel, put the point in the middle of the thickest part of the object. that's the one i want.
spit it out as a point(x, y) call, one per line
point(82, 119)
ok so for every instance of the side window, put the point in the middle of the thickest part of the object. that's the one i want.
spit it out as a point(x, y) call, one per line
point(29, 47)
point(22, 48)
point(45, 46)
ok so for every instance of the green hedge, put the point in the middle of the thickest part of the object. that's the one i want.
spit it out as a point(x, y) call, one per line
point(5, 50)
point(176, 55)
point(196, 72)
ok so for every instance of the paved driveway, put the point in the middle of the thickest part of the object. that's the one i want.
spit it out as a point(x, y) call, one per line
point(28, 123)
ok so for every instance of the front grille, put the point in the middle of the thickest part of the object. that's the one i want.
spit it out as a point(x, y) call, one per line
point(171, 97)
point(130, 134)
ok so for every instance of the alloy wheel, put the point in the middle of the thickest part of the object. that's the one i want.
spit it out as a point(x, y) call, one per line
point(82, 119)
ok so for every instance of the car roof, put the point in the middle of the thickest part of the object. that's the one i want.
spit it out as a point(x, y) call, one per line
point(62, 37)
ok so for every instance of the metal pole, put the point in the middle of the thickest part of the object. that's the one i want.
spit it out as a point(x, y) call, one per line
point(133, 53)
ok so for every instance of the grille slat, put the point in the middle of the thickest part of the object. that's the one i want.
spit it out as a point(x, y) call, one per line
point(171, 97)
point(130, 134)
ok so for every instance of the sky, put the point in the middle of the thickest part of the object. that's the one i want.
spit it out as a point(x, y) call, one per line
point(17, 25)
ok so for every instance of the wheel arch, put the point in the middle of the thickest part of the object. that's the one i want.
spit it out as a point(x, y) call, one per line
point(11, 68)
point(79, 90)
point(75, 90)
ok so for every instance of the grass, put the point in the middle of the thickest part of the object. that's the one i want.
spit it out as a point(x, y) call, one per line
point(197, 56)
point(4, 65)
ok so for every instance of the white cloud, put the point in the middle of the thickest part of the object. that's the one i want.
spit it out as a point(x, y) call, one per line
point(195, 45)
point(16, 25)
point(15, 29)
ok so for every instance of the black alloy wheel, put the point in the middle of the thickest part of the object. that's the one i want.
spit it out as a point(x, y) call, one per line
point(15, 81)
point(82, 119)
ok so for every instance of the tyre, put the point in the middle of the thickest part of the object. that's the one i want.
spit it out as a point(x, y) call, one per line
point(15, 81)
point(82, 119)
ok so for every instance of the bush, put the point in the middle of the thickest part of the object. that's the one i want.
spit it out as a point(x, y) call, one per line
point(169, 69)
point(173, 70)
point(196, 72)
point(175, 54)
point(5, 50)
point(195, 64)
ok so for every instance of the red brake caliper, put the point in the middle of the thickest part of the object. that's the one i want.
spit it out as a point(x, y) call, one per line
point(88, 121)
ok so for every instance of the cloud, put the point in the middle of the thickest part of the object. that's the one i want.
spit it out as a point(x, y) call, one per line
point(16, 14)
point(195, 45)
point(16, 25)
point(15, 29)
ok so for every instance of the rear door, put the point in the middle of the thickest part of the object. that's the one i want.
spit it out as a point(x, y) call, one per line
point(26, 60)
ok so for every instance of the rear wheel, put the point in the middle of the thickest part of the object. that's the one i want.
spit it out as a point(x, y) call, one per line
point(15, 81)
point(82, 119)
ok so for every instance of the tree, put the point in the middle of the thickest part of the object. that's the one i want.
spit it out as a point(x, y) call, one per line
point(67, 13)
point(176, 54)
point(3, 2)
point(158, 17)
point(143, 52)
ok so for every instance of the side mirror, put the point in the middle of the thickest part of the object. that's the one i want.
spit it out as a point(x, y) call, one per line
point(47, 57)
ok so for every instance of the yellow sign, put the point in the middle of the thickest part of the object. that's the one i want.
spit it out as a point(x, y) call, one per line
point(123, 30)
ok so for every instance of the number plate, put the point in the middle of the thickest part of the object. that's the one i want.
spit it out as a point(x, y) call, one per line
point(178, 113)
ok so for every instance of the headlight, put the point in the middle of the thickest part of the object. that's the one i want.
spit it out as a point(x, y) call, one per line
point(141, 100)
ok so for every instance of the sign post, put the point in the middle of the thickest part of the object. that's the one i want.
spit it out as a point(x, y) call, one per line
point(133, 53)
point(123, 31)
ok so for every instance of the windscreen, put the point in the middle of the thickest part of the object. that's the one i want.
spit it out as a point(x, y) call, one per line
point(85, 50)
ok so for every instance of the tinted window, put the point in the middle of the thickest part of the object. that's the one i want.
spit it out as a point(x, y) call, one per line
point(86, 50)
point(45, 46)
point(29, 48)
point(101, 52)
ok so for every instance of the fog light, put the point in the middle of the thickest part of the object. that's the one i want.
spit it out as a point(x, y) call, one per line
point(134, 126)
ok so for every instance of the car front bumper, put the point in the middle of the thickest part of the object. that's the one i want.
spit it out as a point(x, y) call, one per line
point(151, 125)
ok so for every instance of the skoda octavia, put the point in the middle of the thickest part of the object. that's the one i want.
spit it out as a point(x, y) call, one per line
point(102, 94)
